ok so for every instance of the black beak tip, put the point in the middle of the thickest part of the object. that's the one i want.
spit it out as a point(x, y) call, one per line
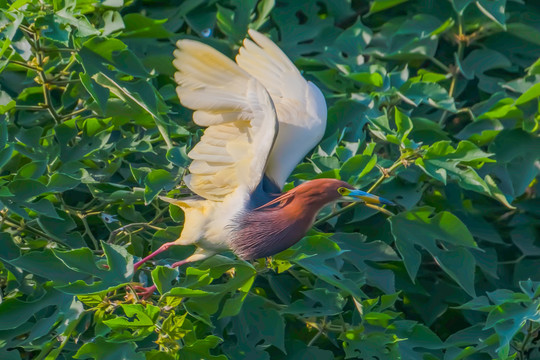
point(388, 202)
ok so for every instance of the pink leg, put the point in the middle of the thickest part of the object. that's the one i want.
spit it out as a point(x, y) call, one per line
point(161, 249)
point(180, 263)
point(145, 292)
point(200, 254)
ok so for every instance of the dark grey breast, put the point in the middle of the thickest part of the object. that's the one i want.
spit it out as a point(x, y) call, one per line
point(258, 233)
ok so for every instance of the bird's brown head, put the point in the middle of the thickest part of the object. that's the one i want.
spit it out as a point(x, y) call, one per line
point(319, 192)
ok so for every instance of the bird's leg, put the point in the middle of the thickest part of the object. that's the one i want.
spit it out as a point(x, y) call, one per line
point(161, 249)
point(145, 292)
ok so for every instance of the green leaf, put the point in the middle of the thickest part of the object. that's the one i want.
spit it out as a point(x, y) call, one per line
point(380, 5)
point(14, 312)
point(162, 277)
point(182, 292)
point(59, 182)
point(44, 207)
point(55, 29)
point(140, 26)
point(403, 123)
point(365, 256)
point(312, 253)
point(375, 345)
point(420, 227)
point(532, 93)
point(250, 335)
point(118, 272)
point(356, 167)
point(113, 22)
point(156, 181)
point(200, 349)
point(137, 316)
point(100, 349)
point(374, 79)
point(99, 93)
point(6, 103)
point(25, 189)
point(493, 9)
point(429, 93)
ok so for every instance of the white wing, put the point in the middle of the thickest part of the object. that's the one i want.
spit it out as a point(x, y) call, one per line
point(239, 114)
point(300, 105)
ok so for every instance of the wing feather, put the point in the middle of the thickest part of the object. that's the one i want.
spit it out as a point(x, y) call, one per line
point(299, 104)
point(238, 113)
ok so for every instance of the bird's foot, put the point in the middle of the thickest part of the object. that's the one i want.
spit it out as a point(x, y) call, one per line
point(144, 292)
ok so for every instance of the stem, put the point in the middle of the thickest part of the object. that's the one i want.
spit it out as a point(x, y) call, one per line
point(163, 133)
point(123, 228)
point(76, 112)
point(46, 49)
point(319, 333)
point(379, 181)
point(509, 262)
point(26, 29)
point(29, 108)
point(440, 64)
point(526, 341)
point(63, 82)
point(70, 63)
point(25, 65)
point(455, 71)
point(87, 229)
point(7, 221)
point(46, 353)
point(43, 77)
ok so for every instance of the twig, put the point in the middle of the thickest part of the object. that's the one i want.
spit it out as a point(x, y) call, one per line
point(88, 231)
point(47, 49)
point(63, 82)
point(7, 221)
point(43, 78)
point(26, 29)
point(25, 65)
point(455, 71)
point(319, 333)
point(440, 64)
point(525, 341)
point(509, 262)
point(123, 228)
point(30, 108)
point(76, 112)
point(64, 71)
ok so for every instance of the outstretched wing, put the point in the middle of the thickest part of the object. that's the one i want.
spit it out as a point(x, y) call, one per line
point(300, 105)
point(239, 116)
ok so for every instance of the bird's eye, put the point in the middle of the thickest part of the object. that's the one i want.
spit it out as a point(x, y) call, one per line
point(341, 190)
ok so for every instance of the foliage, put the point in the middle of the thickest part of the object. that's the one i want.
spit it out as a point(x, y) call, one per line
point(433, 103)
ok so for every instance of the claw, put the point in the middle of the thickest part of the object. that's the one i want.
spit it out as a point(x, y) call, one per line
point(144, 292)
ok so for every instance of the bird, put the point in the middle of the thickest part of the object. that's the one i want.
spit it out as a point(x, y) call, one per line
point(261, 118)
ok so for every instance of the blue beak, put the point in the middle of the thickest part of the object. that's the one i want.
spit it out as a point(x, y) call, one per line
point(369, 198)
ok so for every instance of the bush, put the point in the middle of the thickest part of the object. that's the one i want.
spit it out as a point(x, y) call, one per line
point(433, 103)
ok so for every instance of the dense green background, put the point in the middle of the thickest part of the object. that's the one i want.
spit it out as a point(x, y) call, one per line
point(433, 102)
